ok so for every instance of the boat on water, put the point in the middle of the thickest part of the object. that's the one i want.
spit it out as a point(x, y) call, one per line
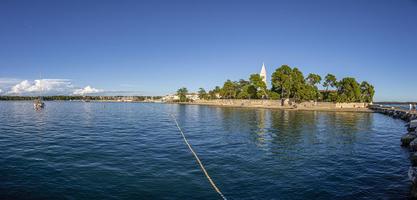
point(38, 104)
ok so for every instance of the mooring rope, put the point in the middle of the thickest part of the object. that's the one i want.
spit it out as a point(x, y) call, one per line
point(195, 156)
point(198, 159)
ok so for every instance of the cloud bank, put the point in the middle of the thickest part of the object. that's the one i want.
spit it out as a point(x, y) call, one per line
point(48, 87)
point(86, 90)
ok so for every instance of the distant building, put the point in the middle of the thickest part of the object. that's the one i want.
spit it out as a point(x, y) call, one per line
point(171, 97)
point(263, 73)
point(192, 96)
point(174, 97)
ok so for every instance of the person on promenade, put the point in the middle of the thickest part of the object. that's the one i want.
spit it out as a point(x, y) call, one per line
point(411, 107)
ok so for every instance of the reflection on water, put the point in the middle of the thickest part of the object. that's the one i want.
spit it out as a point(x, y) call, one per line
point(290, 128)
point(134, 151)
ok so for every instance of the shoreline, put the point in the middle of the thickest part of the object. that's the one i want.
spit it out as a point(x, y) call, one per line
point(288, 108)
point(274, 107)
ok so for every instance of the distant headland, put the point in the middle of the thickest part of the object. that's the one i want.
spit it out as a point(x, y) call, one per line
point(289, 86)
point(84, 98)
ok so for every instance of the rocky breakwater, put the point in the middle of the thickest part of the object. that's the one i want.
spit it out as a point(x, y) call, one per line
point(409, 140)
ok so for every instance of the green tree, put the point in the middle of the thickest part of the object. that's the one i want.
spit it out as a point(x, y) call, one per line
point(331, 96)
point(329, 81)
point(229, 90)
point(243, 82)
point(202, 94)
point(367, 92)
point(212, 95)
point(241, 85)
point(217, 89)
point(349, 90)
point(273, 95)
point(298, 90)
point(289, 82)
point(215, 93)
point(244, 93)
point(259, 85)
point(182, 94)
point(313, 79)
point(252, 91)
point(281, 81)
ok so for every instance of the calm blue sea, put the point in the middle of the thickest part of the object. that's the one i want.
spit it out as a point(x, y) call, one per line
point(76, 150)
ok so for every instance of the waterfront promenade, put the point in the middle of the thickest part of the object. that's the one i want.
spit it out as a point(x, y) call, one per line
point(279, 104)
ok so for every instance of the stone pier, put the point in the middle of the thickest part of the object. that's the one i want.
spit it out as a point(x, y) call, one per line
point(405, 115)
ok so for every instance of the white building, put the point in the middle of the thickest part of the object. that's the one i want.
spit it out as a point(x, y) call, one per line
point(174, 97)
point(192, 96)
point(171, 97)
point(263, 73)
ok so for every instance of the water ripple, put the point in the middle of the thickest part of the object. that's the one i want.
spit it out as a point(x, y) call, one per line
point(76, 150)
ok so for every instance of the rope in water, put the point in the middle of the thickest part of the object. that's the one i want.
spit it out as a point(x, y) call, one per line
point(195, 155)
point(198, 159)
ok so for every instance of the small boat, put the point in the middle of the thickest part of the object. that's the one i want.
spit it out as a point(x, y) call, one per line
point(38, 104)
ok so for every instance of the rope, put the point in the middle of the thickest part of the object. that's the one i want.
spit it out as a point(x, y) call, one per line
point(198, 159)
point(195, 156)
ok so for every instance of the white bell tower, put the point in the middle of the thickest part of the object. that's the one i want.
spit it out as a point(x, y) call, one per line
point(263, 73)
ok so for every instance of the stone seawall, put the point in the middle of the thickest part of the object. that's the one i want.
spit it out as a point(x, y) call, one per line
point(409, 140)
point(259, 103)
point(242, 103)
point(405, 115)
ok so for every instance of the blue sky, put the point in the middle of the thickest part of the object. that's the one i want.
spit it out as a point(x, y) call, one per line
point(155, 47)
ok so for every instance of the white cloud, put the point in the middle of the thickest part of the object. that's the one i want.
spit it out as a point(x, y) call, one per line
point(43, 86)
point(86, 90)
point(49, 87)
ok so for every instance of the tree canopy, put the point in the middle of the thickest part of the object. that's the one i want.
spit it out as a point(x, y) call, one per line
point(348, 90)
point(329, 81)
point(367, 92)
point(259, 86)
point(282, 81)
point(202, 94)
point(182, 94)
point(229, 90)
point(287, 82)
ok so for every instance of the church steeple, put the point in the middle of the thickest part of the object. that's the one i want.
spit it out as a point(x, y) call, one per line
point(263, 73)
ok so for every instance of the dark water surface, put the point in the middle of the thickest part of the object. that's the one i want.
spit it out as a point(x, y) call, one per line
point(75, 150)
